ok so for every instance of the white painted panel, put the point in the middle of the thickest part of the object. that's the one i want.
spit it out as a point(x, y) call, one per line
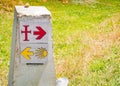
point(37, 53)
point(32, 27)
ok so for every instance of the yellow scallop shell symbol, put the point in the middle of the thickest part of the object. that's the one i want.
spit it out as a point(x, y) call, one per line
point(41, 52)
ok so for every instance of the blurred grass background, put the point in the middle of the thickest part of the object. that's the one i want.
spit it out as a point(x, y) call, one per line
point(86, 40)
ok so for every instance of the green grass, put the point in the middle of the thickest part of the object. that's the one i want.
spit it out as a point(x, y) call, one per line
point(5, 44)
point(86, 41)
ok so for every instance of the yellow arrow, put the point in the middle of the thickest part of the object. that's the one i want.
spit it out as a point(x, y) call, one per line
point(26, 53)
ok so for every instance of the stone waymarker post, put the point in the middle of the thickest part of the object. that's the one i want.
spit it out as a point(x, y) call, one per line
point(32, 54)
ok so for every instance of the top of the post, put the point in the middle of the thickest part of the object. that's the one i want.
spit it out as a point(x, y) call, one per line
point(35, 11)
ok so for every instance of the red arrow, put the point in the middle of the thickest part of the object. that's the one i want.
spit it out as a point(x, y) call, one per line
point(40, 33)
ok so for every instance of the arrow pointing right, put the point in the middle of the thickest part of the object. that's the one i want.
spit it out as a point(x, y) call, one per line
point(26, 53)
point(40, 33)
